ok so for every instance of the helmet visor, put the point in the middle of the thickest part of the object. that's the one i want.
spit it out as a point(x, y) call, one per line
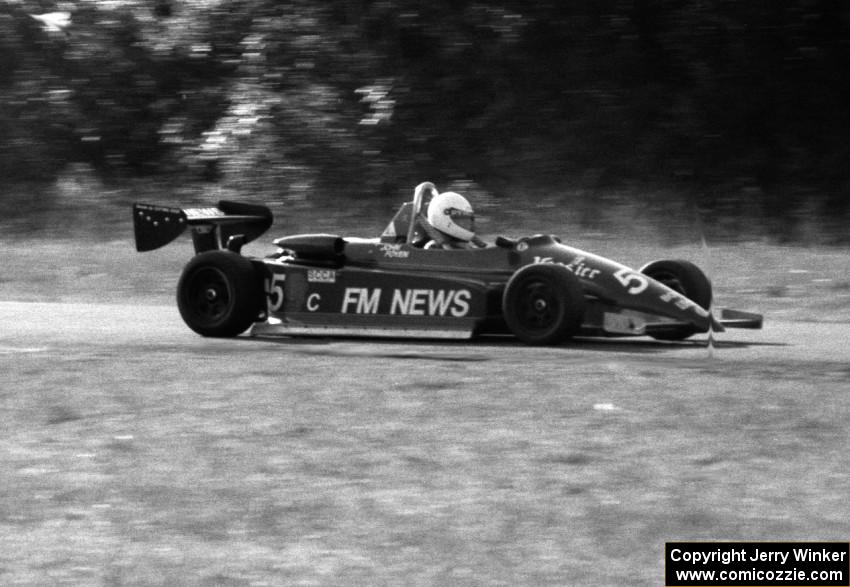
point(464, 219)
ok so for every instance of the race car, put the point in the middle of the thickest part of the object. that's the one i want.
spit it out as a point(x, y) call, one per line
point(535, 288)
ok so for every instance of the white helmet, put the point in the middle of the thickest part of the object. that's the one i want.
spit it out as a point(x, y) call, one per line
point(451, 214)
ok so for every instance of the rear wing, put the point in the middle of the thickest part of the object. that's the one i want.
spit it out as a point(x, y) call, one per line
point(227, 226)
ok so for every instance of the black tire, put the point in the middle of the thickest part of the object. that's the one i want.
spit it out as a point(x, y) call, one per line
point(685, 278)
point(543, 304)
point(219, 294)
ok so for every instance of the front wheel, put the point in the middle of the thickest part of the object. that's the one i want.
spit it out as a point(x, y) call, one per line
point(218, 294)
point(685, 278)
point(543, 304)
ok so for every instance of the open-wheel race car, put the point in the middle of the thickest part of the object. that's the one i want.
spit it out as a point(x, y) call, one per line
point(536, 288)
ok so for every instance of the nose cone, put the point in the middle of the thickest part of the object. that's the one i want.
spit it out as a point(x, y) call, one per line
point(664, 301)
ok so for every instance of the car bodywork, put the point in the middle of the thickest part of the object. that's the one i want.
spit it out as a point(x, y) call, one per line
point(323, 284)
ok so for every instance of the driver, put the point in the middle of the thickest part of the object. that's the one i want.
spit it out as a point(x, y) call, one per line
point(451, 214)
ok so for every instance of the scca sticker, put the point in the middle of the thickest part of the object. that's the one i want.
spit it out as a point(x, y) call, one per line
point(321, 276)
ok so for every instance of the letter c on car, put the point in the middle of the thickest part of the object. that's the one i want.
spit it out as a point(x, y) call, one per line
point(313, 302)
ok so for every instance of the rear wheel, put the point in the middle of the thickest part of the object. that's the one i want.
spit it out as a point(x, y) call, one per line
point(543, 304)
point(219, 294)
point(685, 278)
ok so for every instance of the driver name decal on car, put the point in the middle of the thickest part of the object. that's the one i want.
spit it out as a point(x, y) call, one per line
point(407, 302)
point(394, 251)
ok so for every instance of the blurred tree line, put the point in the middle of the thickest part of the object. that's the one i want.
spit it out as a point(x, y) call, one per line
point(737, 104)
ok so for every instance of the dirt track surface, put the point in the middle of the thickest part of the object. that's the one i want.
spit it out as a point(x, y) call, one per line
point(52, 326)
point(135, 452)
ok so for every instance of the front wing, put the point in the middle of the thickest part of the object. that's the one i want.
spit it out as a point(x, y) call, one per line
point(635, 323)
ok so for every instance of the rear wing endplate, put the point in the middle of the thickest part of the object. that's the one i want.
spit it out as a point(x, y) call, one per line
point(227, 226)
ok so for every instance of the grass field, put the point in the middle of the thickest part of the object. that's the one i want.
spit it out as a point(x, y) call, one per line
point(315, 464)
point(186, 461)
